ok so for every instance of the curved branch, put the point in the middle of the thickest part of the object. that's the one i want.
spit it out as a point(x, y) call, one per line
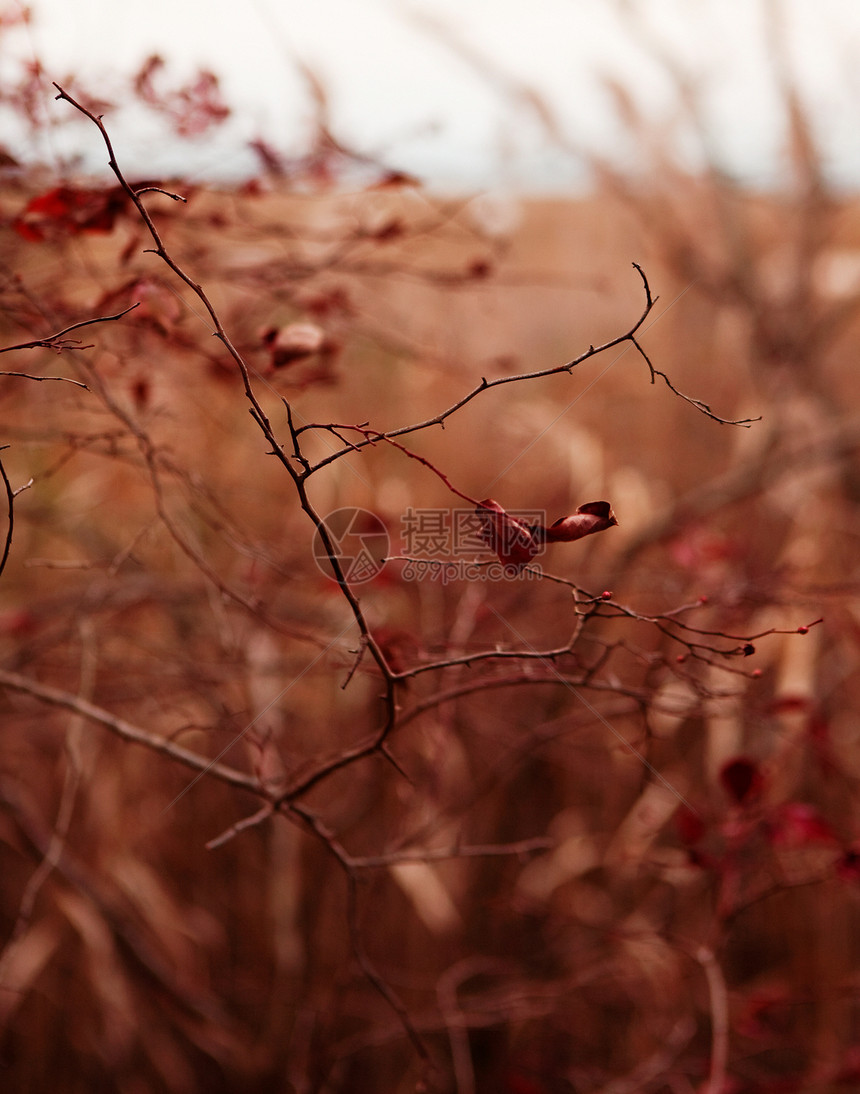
point(498, 381)
point(130, 732)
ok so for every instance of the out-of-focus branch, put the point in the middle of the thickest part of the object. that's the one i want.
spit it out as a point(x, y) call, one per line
point(128, 731)
point(837, 445)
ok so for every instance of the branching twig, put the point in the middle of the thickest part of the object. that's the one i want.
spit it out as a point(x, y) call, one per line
point(59, 342)
point(697, 403)
point(129, 732)
point(531, 665)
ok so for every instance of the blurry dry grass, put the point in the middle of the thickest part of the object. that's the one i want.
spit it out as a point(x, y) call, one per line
point(620, 958)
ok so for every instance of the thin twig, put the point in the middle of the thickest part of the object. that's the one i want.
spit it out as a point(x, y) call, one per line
point(262, 814)
point(129, 732)
point(32, 376)
point(59, 341)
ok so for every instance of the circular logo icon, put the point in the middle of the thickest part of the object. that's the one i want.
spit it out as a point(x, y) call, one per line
point(359, 541)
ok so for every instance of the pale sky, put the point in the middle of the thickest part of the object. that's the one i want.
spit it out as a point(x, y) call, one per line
point(396, 87)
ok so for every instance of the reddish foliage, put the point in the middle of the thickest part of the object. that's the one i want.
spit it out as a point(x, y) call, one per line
point(787, 704)
point(270, 158)
point(18, 622)
point(766, 1012)
point(745, 841)
point(389, 230)
point(849, 1074)
point(699, 548)
point(480, 268)
point(594, 516)
point(70, 210)
point(393, 179)
point(516, 543)
point(690, 825)
point(848, 866)
point(15, 15)
point(333, 301)
point(513, 541)
point(794, 824)
point(742, 779)
point(192, 108)
point(517, 1083)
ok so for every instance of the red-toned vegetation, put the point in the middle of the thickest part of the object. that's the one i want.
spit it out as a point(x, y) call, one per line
point(587, 822)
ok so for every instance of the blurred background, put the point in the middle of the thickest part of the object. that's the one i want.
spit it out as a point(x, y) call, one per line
point(481, 94)
point(612, 843)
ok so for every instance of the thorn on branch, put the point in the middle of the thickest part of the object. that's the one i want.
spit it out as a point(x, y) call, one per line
point(359, 655)
point(10, 500)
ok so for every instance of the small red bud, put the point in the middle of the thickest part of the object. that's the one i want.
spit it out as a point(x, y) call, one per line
point(681, 658)
point(703, 600)
point(756, 673)
point(803, 630)
point(606, 595)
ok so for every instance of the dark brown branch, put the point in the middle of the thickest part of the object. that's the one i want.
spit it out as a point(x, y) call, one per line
point(10, 513)
point(59, 341)
point(487, 385)
point(697, 403)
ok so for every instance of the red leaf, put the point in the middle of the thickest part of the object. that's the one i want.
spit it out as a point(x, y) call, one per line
point(742, 779)
point(393, 179)
point(516, 543)
point(70, 210)
point(766, 1013)
point(192, 108)
point(787, 704)
point(797, 823)
point(594, 516)
point(479, 268)
point(691, 827)
point(848, 866)
point(513, 541)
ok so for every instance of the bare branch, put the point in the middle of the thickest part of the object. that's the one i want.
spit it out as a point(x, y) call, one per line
point(129, 732)
point(60, 341)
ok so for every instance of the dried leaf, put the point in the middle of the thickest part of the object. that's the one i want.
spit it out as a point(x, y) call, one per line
point(516, 543)
point(594, 516)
